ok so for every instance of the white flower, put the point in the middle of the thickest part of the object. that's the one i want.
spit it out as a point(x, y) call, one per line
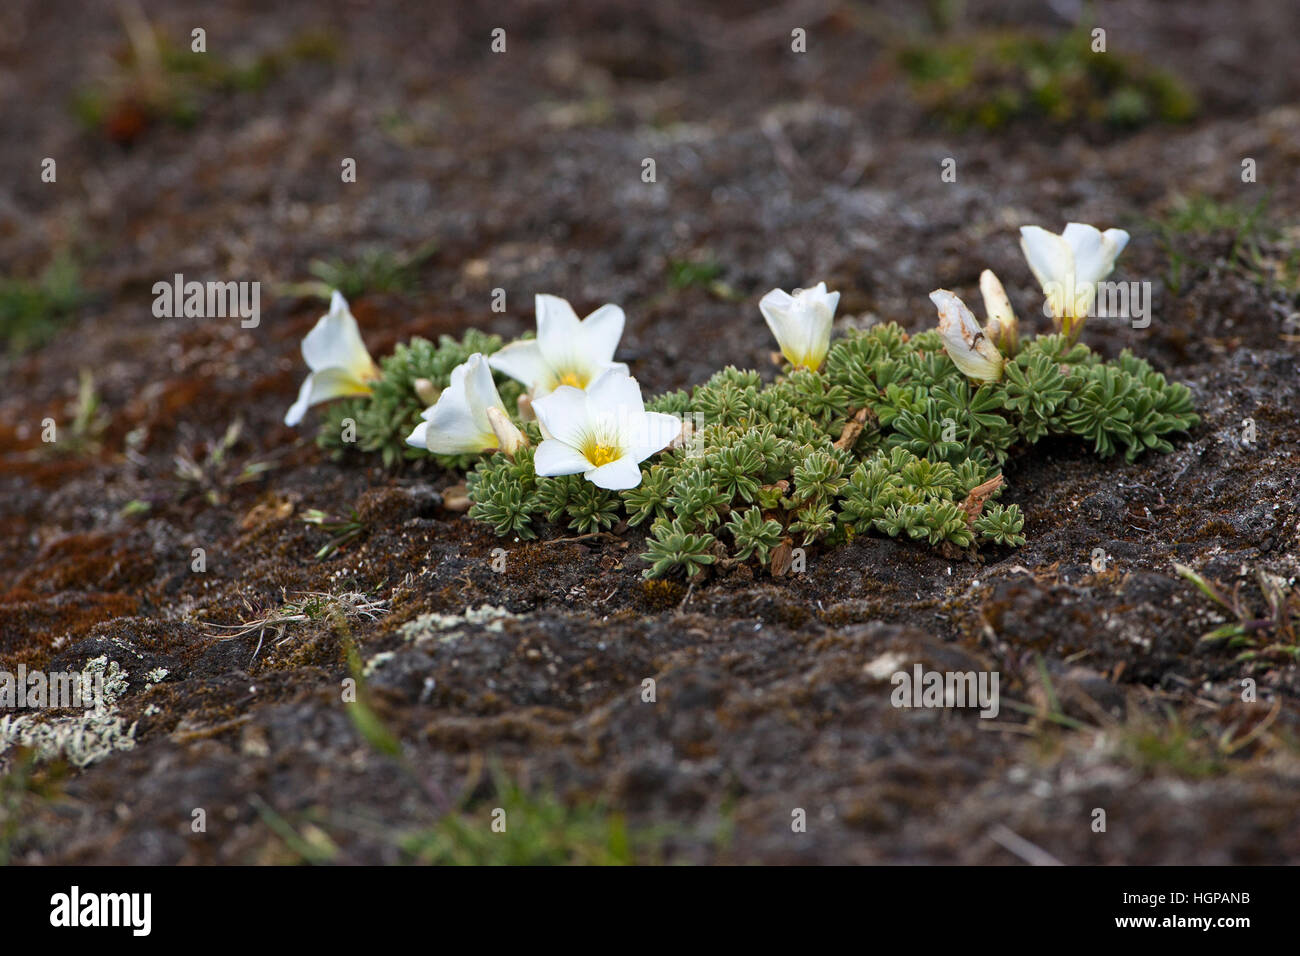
point(1070, 265)
point(604, 432)
point(340, 365)
point(801, 323)
point(566, 351)
point(468, 417)
point(963, 339)
point(1001, 325)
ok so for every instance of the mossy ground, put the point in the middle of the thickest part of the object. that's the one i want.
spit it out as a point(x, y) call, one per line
point(766, 699)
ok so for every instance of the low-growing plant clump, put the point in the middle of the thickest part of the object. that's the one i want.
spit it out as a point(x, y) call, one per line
point(881, 432)
point(994, 78)
point(889, 438)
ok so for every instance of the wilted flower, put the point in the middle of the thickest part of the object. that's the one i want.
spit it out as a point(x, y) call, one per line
point(1070, 265)
point(566, 351)
point(1000, 325)
point(604, 433)
point(468, 416)
point(340, 365)
point(801, 323)
point(965, 342)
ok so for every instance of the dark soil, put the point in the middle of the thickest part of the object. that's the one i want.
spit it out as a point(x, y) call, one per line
point(525, 169)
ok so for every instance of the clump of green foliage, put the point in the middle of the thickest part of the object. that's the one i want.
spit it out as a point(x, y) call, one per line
point(24, 786)
point(1269, 635)
point(84, 434)
point(155, 79)
point(540, 830)
point(32, 310)
point(888, 438)
point(214, 472)
point(1199, 233)
point(990, 79)
point(383, 420)
point(374, 270)
point(684, 273)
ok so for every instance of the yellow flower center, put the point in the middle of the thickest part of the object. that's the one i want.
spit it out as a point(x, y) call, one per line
point(573, 379)
point(601, 454)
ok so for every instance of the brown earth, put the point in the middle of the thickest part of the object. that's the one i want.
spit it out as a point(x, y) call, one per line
point(525, 168)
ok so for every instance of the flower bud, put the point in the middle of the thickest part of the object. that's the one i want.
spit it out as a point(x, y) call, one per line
point(965, 342)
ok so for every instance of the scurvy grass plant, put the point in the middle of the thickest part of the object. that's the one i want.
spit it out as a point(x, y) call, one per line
point(879, 432)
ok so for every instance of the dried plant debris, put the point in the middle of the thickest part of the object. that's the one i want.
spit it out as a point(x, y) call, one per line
point(334, 609)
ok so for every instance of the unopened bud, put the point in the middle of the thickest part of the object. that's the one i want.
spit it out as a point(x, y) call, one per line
point(426, 390)
point(509, 438)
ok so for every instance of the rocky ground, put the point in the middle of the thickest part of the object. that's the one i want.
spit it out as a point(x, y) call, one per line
point(522, 689)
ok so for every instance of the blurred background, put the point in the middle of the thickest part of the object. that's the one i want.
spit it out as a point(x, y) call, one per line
point(792, 142)
point(522, 169)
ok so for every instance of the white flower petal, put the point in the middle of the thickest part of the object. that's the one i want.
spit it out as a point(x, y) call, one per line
point(479, 385)
point(655, 432)
point(555, 317)
point(830, 299)
point(1118, 238)
point(523, 362)
point(615, 388)
point(601, 332)
point(419, 436)
point(1093, 256)
point(458, 422)
point(801, 323)
point(335, 342)
point(778, 300)
point(563, 415)
point(559, 332)
point(299, 408)
point(566, 351)
point(553, 457)
point(618, 475)
point(791, 337)
point(330, 383)
point(1049, 255)
point(576, 352)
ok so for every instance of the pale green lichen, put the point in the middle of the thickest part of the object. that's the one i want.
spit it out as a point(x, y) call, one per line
point(82, 739)
point(446, 628)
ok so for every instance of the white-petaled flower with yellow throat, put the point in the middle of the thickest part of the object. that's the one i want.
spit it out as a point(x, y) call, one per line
point(801, 323)
point(468, 417)
point(340, 365)
point(1069, 266)
point(566, 351)
point(963, 339)
point(602, 433)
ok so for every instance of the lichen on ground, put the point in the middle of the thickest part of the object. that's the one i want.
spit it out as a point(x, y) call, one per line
point(80, 739)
